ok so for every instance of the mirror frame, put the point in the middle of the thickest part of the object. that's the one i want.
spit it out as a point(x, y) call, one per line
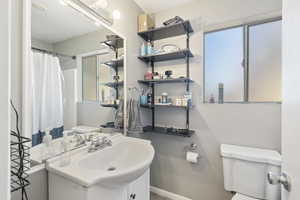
point(26, 49)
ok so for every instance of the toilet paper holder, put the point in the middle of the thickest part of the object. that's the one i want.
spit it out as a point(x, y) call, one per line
point(192, 147)
point(192, 155)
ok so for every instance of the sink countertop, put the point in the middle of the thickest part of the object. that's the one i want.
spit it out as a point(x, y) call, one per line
point(36, 152)
point(126, 160)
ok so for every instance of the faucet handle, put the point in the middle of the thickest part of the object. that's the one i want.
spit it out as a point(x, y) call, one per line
point(95, 139)
point(104, 139)
point(107, 141)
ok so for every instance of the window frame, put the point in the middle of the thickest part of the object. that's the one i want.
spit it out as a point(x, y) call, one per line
point(97, 78)
point(80, 73)
point(246, 28)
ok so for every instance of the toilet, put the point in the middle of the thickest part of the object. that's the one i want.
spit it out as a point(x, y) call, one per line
point(245, 172)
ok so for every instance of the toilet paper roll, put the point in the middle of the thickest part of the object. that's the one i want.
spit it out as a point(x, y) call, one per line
point(192, 157)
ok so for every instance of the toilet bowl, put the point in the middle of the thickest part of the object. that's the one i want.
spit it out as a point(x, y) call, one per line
point(245, 172)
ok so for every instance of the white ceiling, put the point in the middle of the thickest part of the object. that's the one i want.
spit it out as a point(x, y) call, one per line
point(52, 22)
point(154, 6)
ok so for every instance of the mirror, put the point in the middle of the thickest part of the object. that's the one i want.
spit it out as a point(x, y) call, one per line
point(76, 76)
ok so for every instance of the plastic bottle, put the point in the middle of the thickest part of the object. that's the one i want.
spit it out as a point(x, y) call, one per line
point(189, 96)
point(149, 48)
point(143, 49)
point(48, 148)
point(66, 158)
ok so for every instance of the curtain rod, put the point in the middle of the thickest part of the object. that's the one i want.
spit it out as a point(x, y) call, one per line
point(52, 53)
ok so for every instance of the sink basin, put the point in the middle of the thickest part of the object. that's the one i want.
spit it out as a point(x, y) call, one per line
point(125, 161)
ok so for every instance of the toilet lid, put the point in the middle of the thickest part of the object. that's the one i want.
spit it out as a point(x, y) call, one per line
point(242, 197)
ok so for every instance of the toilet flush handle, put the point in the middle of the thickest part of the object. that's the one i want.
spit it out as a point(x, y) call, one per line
point(283, 179)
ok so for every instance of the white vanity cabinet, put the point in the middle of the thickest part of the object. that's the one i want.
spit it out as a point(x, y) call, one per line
point(61, 188)
point(140, 188)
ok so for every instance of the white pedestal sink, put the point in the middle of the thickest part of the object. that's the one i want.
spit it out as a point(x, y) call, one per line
point(119, 172)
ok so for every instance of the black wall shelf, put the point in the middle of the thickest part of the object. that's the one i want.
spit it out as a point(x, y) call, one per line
point(167, 31)
point(115, 44)
point(183, 28)
point(110, 105)
point(115, 63)
point(161, 81)
point(114, 84)
point(162, 106)
point(169, 131)
point(167, 56)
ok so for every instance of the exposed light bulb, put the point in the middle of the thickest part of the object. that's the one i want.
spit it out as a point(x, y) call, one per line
point(116, 14)
point(101, 4)
point(97, 24)
point(63, 2)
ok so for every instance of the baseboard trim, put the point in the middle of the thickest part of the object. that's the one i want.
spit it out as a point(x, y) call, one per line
point(167, 194)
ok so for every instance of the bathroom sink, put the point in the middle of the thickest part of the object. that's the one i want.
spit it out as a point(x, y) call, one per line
point(125, 161)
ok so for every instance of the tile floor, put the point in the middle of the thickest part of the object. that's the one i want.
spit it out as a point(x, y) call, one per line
point(156, 197)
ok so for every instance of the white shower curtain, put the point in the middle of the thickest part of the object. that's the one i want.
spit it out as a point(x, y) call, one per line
point(46, 85)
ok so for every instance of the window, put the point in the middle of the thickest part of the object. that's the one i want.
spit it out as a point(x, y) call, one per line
point(265, 62)
point(95, 76)
point(89, 78)
point(246, 60)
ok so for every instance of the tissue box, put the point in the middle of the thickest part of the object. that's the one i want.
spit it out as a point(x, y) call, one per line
point(145, 22)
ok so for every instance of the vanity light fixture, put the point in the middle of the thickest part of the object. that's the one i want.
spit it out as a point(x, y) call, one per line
point(82, 8)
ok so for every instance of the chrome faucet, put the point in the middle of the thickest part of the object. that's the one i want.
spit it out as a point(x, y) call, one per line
point(80, 140)
point(98, 144)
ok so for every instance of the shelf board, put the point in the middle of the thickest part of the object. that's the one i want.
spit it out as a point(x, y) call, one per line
point(114, 84)
point(118, 44)
point(110, 105)
point(169, 131)
point(167, 56)
point(167, 31)
point(115, 63)
point(163, 106)
point(171, 80)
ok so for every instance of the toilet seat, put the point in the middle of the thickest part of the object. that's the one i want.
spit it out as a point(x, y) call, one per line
point(242, 197)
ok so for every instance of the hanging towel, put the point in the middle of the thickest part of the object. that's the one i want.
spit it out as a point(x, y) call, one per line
point(134, 117)
point(119, 116)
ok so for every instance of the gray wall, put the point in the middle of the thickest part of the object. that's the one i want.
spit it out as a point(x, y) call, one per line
point(256, 125)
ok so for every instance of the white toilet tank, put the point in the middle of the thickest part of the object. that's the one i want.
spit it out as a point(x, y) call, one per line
point(245, 171)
